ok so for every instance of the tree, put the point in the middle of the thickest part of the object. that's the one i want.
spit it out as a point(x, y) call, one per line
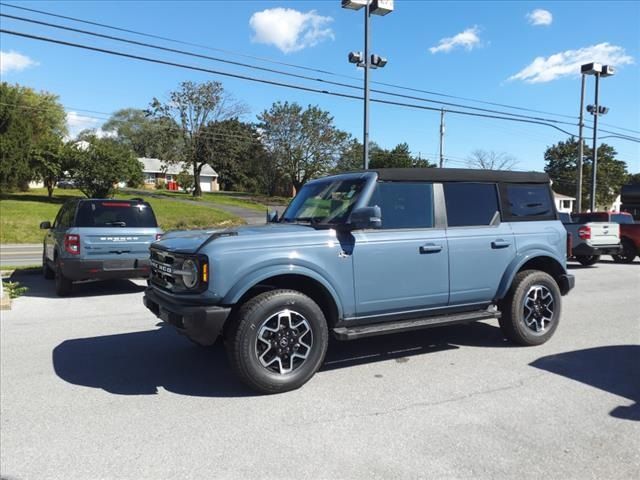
point(49, 160)
point(304, 143)
point(491, 160)
point(147, 136)
point(398, 157)
point(29, 120)
point(561, 166)
point(634, 179)
point(231, 147)
point(184, 179)
point(191, 108)
point(101, 165)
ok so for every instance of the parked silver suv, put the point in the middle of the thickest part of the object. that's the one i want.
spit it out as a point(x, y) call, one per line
point(98, 239)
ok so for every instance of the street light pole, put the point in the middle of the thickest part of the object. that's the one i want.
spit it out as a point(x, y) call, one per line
point(371, 7)
point(441, 137)
point(580, 149)
point(366, 65)
point(594, 165)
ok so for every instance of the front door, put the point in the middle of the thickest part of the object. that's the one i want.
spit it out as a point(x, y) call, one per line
point(402, 267)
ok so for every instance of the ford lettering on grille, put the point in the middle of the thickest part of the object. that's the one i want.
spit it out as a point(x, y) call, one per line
point(162, 267)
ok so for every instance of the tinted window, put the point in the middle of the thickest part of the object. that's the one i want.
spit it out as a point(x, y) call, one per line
point(470, 204)
point(590, 217)
point(616, 217)
point(115, 214)
point(65, 219)
point(565, 218)
point(404, 205)
point(530, 201)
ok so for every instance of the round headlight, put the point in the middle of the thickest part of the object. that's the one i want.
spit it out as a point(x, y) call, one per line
point(190, 273)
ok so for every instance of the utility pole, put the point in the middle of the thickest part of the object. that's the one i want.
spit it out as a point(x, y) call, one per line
point(580, 148)
point(441, 137)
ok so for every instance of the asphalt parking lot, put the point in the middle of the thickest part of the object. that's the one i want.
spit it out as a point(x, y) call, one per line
point(93, 387)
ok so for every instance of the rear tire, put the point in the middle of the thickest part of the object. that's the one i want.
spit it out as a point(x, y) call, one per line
point(588, 260)
point(47, 271)
point(531, 310)
point(628, 254)
point(277, 341)
point(63, 284)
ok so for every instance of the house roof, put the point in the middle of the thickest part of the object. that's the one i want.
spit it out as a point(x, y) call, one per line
point(155, 165)
point(560, 196)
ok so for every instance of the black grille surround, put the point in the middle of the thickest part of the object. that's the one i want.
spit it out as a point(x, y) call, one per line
point(165, 268)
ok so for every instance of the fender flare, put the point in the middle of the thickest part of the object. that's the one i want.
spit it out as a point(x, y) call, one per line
point(517, 263)
point(244, 284)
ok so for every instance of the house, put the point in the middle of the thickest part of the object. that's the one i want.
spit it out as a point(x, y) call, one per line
point(564, 203)
point(156, 173)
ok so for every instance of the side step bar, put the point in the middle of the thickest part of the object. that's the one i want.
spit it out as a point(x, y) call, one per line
point(363, 331)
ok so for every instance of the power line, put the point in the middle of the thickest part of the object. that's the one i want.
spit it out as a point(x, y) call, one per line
point(263, 59)
point(279, 72)
point(270, 82)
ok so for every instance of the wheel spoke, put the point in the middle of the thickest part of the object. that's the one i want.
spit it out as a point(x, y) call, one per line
point(284, 342)
point(538, 308)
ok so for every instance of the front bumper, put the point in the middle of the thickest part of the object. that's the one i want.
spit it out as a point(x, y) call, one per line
point(583, 250)
point(201, 323)
point(80, 269)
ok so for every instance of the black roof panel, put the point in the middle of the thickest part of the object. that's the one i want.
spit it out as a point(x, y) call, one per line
point(458, 175)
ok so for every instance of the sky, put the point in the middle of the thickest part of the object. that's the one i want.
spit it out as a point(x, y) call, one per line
point(524, 54)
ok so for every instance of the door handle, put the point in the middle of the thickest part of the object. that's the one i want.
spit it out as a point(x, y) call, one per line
point(430, 248)
point(500, 243)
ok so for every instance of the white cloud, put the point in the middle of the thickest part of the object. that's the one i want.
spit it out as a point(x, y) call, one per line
point(76, 123)
point(468, 40)
point(14, 62)
point(289, 29)
point(568, 63)
point(540, 17)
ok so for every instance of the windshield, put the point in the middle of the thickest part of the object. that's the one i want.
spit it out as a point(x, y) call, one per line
point(327, 202)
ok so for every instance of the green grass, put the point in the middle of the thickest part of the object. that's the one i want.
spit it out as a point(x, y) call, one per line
point(5, 268)
point(21, 214)
point(234, 199)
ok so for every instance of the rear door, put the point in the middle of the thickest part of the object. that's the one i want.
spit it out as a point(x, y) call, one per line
point(480, 245)
point(115, 231)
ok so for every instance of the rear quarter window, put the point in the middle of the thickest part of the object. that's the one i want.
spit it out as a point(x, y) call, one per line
point(110, 214)
point(528, 202)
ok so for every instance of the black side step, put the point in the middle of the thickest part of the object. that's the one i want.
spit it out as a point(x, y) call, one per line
point(362, 331)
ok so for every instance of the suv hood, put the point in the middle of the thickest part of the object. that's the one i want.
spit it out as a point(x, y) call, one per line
point(190, 241)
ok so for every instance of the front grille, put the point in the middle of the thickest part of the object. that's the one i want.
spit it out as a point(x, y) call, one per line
point(163, 264)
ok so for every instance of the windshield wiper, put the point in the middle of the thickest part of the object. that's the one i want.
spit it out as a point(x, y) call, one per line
point(116, 224)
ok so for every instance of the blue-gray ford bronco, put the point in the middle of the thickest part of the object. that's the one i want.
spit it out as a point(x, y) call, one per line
point(362, 254)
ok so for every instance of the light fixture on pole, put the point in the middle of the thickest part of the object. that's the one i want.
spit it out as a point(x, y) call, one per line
point(598, 70)
point(366, 61)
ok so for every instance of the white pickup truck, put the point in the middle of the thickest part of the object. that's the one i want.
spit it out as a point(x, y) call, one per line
point(588, 241)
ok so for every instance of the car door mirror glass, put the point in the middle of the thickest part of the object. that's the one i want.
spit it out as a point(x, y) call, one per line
point(45, 225)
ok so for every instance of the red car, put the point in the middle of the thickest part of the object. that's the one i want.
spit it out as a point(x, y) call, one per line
point(629, 232)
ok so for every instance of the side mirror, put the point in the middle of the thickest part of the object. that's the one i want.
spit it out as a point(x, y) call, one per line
point(366, 217)
point(45, 225)
point(272, 216)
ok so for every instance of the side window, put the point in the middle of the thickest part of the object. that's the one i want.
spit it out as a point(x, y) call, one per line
point(66, 215)
point(621, 218)
point(56, 222)
point(470, 204)
point(404, 204)
point(530, 202)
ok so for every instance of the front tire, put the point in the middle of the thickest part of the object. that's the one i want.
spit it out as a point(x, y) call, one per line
point(531, 310)
point(278, 341)
point(628, 254)
point(588, 260)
